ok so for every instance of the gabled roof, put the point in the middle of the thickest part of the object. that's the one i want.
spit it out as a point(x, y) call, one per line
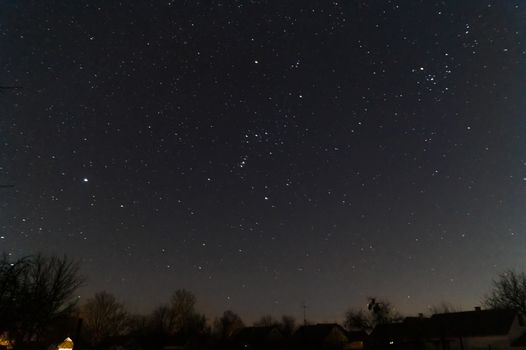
point(66, 344)
point(466, 324)
point(316, 333)
point(475, 323)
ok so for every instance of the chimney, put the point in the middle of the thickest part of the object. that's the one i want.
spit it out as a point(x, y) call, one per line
point(477, 308)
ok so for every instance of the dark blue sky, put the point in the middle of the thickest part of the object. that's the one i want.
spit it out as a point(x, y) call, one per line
point(265, 153)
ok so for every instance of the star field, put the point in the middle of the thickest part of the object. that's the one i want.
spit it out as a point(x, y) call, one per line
point(265, 153)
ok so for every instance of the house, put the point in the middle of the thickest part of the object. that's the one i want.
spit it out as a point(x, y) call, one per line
point(414, 333)
point(520, 342)
point(325, 336)
point(480, 329)
point(356, 340)
point(468, 330)
point(67, 344)
point(258, 338)
point(5, 343)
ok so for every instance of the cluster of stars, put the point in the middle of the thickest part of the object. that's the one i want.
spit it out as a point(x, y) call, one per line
point(252, 142)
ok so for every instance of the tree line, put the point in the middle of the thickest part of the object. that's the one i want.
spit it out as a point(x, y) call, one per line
point(37, 299)
point(104, 316)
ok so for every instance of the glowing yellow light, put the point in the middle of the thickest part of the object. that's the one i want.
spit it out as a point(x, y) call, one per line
point(67, 344)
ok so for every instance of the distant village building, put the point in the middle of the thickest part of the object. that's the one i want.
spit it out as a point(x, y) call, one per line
point(469, 330)
point(356, 340)
point(4, 342)
point(67, 344)
point(327, 336)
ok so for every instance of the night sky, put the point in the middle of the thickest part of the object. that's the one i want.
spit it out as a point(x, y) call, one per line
point(265, 153)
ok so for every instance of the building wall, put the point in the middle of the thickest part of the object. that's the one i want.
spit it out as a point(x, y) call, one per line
point(335, 339)
point(354, 345)
point(517, 329)
point(481, 343)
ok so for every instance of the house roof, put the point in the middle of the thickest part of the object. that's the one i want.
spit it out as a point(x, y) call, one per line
point(466, 324)
point(66, 344)
point(475, 323)
point(316, 333)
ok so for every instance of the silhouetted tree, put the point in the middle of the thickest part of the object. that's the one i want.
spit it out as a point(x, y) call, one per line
point(226, 325)
point(195, 328)
point(138, 324)
point(10, 284)
point(162, 320)
point(287, 325)
point(266, 321)
point(35, 293)
point(509, 292)
point(104, 316)
point(182, 307)
point(358, 320)
point(442, 308)
point(378, 312)
point(179, 318)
